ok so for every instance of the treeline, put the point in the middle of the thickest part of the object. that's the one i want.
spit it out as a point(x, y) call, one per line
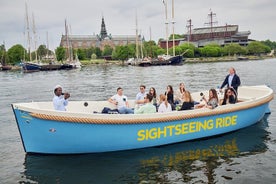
point(18, 53)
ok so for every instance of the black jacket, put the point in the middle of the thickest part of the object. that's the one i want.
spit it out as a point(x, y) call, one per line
point(235, 82)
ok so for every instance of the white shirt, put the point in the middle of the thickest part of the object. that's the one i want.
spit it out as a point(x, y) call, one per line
point(60, 103)
point(120, 99)
point(162, 107)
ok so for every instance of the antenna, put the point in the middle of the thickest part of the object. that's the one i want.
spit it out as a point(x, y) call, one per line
point(211, 22)
point(189, 27)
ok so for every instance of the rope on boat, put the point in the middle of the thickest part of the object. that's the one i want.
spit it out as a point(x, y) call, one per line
point(176, 117)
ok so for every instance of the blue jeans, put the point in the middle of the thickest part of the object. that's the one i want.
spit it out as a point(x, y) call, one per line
point(125, 110)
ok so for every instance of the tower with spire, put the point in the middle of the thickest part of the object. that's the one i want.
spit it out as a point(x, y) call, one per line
point(103, 33)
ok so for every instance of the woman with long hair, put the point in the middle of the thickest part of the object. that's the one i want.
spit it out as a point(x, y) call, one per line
point(179, 93)
point(164, 106)
point(229, 96)
point(188, 102)
point(212, 100)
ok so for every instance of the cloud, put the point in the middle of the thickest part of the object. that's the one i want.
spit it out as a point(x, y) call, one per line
point(84, 17)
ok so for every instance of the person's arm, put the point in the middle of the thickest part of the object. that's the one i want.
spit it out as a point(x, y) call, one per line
point(112, 100)
point(224, 82)
point(140, 110)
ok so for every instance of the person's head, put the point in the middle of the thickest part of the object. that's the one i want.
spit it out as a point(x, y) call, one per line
point(232, 71)
point(142, 88)
point(213, 94)
point(148, 98)
point(120, 91)
point(163, 98)
point(169, 89)
point(152, 91)
point(58, 90)
point(187, 96)
point(182, 87)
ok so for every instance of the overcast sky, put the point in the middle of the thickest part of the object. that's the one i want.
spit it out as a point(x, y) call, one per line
point(84, 17)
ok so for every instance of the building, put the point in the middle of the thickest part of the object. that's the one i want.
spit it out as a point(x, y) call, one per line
point(220, 35)
point(100, 41)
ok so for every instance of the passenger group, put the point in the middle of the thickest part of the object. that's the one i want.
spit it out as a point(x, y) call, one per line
point(167, 102)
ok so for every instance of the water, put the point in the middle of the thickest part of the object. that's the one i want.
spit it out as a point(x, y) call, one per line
point(244, 156)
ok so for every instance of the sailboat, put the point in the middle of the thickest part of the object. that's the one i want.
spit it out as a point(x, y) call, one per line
point(166, 59)
point(29, 66)
point(70, 63)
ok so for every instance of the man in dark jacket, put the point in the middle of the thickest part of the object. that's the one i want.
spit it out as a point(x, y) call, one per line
point(232, 80)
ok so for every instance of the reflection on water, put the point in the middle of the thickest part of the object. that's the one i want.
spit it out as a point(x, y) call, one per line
point(194, 161)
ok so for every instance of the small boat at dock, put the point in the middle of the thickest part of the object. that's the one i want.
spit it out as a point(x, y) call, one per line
point(81, 130)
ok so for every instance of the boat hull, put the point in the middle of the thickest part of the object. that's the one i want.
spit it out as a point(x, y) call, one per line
point(40, 135)
point(30, 67)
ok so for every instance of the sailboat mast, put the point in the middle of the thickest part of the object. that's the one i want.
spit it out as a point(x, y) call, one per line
point(137, 49)
point(173, 22)
point(35, 38)
point(167, 29)
point(28, 32)
point(67, 41)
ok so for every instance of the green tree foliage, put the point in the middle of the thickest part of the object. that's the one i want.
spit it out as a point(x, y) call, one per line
point(60, 53)
point(16, 53)
point(176, 36)
point(120, 53)
point(107, 50)
point(3, 54)
point(257, 48)
point(81, 53)
point(233, 49)
point(98, 52)
point(211, 50)
point(151, 49)
point(269, 43)
point(188, 50)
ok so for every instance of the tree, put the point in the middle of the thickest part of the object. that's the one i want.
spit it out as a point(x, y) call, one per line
point(107, 50)
point(234, 48)
point(211, 50)
point(42, 51)
point(269, 43)
point(60, 53)
point(16, 53)
point(257, 48)
point(188, 50)
point(98, 52)
point(121, 53)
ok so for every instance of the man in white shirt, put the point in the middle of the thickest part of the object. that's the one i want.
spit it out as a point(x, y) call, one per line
point(140, 97)
point(121, 102)
point(60, 99)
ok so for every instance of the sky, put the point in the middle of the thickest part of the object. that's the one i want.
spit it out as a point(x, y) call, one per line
point(84, 18)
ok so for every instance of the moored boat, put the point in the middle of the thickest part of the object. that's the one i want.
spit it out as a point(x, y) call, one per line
point(31, 67)
point(80, 130)
point(163, 60)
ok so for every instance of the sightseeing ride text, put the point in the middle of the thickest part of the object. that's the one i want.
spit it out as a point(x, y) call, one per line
point(186, 128)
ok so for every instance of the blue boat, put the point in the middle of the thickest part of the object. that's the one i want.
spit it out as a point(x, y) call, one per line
point(30, 67)
point(80, 130)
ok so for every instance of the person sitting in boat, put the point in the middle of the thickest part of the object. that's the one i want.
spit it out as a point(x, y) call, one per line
point(212, 101)
point(188, 103)
point(147, 108)
point(229, 97)
point(121, 102)
point(170, 97)
point(140, 97)
point(164, 106)
point(179, 93)
point(152, 92)
point(60, 99)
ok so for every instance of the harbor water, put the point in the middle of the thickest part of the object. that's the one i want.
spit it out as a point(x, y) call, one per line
point(244, 156)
